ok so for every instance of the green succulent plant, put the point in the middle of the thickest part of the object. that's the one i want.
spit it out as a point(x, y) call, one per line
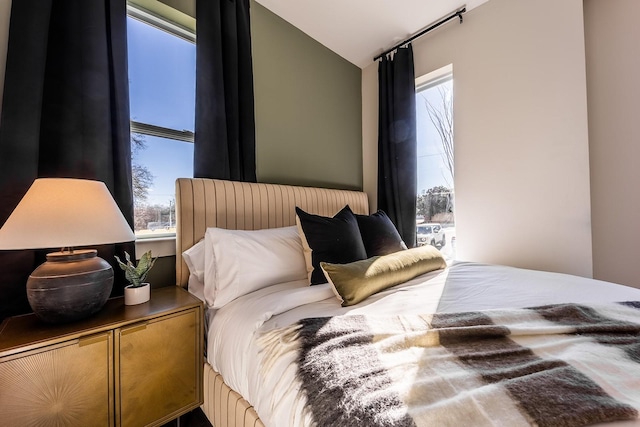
point(136, 275)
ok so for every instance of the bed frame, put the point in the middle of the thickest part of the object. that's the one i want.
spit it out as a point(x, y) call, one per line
point(203, 203)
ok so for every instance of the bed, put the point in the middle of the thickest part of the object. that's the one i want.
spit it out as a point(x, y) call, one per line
point(264, 341)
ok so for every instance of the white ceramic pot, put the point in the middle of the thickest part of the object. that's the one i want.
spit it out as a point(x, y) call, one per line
point(139, 295)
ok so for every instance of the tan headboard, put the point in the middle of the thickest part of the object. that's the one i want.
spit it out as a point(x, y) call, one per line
point(203, 203)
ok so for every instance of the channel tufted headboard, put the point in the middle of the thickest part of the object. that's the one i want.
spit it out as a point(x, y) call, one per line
point(203, 203)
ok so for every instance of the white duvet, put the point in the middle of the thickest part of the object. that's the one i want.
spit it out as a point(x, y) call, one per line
point(464, 286)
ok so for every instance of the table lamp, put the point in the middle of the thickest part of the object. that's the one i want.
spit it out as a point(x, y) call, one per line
point(67, 213)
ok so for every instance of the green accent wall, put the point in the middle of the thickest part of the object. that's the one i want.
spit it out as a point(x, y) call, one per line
point(308, 106)
point(163, 272)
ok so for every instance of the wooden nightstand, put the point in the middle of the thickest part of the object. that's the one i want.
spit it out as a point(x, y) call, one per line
point(125, 366)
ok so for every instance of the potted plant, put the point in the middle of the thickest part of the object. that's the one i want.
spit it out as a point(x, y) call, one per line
point(138, 290)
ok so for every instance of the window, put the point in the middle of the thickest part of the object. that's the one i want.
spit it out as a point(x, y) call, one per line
point(162, 104)
point(435, 219)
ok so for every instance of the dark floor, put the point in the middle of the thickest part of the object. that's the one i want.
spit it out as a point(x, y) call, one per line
point(195, 418)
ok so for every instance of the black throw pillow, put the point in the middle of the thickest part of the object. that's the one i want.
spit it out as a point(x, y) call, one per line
point(379, 235)
point(336, 240)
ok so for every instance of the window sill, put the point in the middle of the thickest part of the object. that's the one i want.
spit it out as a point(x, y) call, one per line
point(161, 246)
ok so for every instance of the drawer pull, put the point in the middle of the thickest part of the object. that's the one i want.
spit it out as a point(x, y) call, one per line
point(92, 339)
point(133, 329)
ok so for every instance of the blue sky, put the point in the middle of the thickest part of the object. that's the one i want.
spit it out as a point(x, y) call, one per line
point(432, 170)
point(162, 93)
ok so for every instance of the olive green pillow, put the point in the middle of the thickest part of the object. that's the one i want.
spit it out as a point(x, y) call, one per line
point(356, 281)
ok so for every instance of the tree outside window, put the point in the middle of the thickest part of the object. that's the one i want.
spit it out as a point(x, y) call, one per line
point(435, 202)
point(162, 103)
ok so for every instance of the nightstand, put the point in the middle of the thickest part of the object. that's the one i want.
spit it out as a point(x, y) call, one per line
point(125, 366)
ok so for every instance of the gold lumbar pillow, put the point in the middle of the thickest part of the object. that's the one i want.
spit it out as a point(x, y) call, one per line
point(358, 280)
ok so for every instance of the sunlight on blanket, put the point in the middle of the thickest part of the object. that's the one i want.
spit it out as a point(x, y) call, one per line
point(495, 367)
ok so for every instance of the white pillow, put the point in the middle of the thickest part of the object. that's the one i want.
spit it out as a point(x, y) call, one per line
point(196, 286)
point(240, 261)
point(194, 258)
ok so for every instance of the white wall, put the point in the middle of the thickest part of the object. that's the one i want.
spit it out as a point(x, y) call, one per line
point(521, 137)
point(613, 69)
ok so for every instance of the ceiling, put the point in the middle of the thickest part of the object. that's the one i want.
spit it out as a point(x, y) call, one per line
point(358, 30)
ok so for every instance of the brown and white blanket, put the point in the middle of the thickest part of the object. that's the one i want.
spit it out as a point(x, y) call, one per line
point(556, 365)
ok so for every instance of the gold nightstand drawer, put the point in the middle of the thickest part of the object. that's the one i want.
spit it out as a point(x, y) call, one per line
point(126, 366)
point(67, 384)
point(162, 381)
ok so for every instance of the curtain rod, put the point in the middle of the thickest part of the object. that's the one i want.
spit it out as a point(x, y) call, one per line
point(457, 14)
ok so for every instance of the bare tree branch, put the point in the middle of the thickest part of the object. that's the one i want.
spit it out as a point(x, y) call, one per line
point(142, 178)
point(442, 119)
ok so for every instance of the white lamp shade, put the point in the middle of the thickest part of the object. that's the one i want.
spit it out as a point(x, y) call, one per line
point(64, 212)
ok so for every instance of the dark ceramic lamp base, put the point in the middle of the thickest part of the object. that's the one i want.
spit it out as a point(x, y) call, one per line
point(69, 286)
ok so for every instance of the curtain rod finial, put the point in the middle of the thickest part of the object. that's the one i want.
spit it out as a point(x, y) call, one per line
point(460, 12)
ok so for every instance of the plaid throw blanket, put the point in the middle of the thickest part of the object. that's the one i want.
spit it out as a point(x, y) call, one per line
point(557, 365)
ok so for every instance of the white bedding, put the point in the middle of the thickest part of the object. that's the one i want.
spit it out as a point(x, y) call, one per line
point(461, 287)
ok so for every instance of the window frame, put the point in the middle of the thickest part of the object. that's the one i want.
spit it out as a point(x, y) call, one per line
point(160, 22)
point(164, 24)
point(434, 78)
point(423, 83)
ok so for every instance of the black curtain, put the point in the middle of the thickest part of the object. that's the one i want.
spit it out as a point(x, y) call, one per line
point(65, 113)
point(397, 145)
point(225, 145)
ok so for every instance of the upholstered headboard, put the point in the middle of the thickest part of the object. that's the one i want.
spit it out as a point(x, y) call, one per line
point(203, 203)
